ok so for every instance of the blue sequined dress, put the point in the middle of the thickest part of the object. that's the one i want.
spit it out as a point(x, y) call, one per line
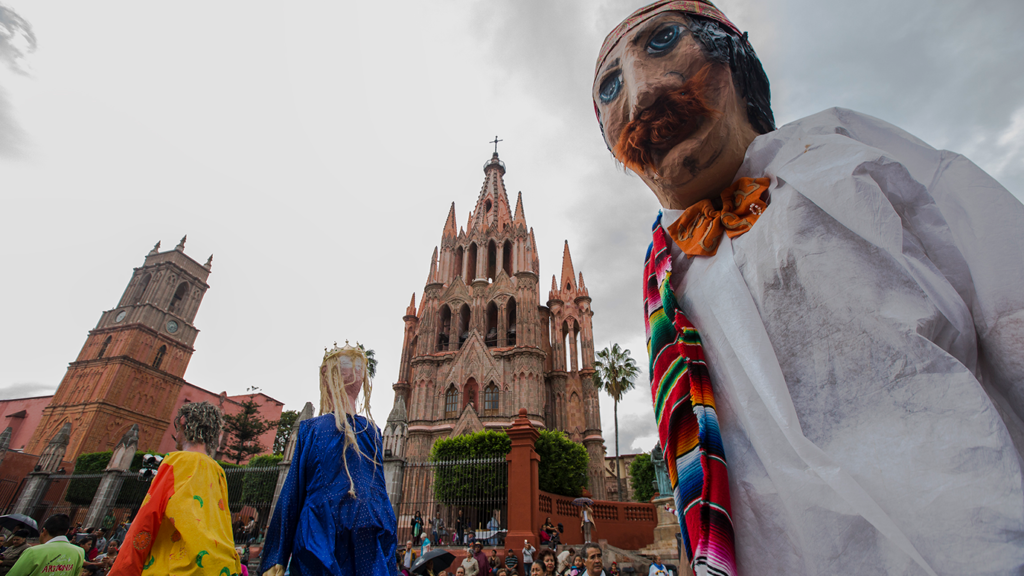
point(316, 523)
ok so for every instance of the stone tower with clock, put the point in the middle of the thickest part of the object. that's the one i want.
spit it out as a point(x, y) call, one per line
point(133, 363)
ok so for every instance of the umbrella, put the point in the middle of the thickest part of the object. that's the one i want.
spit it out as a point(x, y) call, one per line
point(435, 561)
point(583, 501)
point(19, 521)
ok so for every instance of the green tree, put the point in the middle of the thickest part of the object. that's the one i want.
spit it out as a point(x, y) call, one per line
point(81, 490)
point(563, 463)
point(641, 474)
point(260, 479)
point(615, 373)
point(371, 361)
point(454, 484)
point(284, 430)
point(245, 428)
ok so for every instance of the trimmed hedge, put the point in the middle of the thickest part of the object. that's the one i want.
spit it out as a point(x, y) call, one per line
point(563, 463)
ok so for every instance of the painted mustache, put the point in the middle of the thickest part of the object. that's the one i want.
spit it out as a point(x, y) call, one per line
point(665, 123)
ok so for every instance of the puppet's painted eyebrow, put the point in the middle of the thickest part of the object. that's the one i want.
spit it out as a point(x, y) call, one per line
point(610, 65)
point(648, 27)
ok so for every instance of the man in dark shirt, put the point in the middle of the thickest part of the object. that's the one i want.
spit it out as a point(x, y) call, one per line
point(16, 545)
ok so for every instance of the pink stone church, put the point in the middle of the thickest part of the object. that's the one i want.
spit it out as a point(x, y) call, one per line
point(481, 344)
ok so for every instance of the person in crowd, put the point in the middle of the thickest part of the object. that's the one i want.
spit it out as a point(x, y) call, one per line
point(417, 528)
point(109, 523)
point(536, 570)
point(493, 526)
point(587, 522)
point(426, 546)
point(565, 559)
point(184, 524)
point(334, 516)
point(408, 558)
point(112, 548)
point(460, 571)
point(547, 532)
point(460, 527)
point(502, 571)
point(55, 554)
point(657, 568)
point(100, 540)
point(577, 567)
point(528, 552)
point(512, 561)
point(593, 560)
point(493, 560)
point(437, 531)
point(481, 558)
point(470, 565)
point(548, 562)
point(88, 544)
point(15, 547)
point(3, 543)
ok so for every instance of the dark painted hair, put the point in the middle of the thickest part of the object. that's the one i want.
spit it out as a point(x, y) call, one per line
point(723, 45)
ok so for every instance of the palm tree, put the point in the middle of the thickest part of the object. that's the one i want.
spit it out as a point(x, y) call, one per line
point(615, 373)
point(371, 362)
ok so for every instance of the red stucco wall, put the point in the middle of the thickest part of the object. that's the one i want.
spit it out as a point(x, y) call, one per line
point(22, 427)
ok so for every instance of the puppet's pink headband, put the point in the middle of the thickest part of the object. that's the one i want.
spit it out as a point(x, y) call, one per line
point(696, 7)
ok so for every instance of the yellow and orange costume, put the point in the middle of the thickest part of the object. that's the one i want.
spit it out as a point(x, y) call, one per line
point(184, 525)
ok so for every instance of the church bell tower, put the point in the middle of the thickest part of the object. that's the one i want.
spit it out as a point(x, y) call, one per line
point(132, 366)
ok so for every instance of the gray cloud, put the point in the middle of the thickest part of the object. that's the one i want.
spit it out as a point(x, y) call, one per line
point(16, 41)
point(26, 390)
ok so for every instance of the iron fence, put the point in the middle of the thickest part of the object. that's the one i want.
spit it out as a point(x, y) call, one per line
point(250, 497)
point(456, 500)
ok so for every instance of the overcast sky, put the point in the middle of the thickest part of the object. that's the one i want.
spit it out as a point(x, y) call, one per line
point(314, 149)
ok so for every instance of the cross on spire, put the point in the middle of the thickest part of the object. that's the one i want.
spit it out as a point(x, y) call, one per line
point(495, 142)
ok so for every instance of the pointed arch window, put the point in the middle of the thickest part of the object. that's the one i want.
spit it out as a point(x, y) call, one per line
point(506, 257)
point(491, 400)
point(511, 335)
point(464, 321)
point(471, 264)
point(491, 336)
point(103, 349)
point(457, 269)
point(142, 288)
point(567, 342)
point(179, 295)
point(492, 260)
point(159, 358)
point(444, 328)
point(451, 402)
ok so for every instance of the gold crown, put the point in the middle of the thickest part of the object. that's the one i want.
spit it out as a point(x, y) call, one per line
point(347, 350)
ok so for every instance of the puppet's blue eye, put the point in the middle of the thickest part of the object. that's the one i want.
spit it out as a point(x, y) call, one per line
point(664, 39)
point(610, 88)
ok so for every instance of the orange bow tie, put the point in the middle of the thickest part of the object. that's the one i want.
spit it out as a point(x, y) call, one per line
point(699, 230)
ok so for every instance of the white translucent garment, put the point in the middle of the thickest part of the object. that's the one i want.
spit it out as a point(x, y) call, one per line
point(866, 346)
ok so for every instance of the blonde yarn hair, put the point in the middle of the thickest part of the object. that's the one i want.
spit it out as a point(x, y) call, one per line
point(334, 399)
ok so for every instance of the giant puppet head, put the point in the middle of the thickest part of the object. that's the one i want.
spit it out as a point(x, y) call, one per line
point(344, 374)
point(680, 94)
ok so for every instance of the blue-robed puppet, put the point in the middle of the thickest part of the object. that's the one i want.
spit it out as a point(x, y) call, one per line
point(333, 515)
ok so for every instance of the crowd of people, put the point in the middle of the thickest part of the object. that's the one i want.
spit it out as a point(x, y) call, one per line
point(98, 552)
point(546, 562)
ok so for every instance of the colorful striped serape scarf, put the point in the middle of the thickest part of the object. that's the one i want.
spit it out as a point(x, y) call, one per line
point(684, 406)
